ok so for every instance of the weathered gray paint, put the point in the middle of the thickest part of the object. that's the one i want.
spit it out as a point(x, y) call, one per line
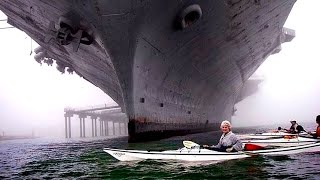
point(189, 79)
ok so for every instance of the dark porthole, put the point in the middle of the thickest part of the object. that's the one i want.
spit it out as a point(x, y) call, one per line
point(142, 100)
point(188, 16)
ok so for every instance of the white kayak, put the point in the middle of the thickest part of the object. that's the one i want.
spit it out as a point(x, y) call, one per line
point(268, 135)
point(286, 141)
point(183, 154)
point(199, 154)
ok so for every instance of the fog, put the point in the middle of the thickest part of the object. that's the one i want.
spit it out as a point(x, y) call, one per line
point(32, 97)
point(291, 87)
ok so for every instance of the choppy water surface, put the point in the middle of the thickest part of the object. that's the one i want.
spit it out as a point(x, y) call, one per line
point(59, 158)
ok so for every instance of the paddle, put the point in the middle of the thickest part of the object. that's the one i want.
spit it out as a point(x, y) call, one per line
point(190, 144)
point(283, 129)
point(299, 129)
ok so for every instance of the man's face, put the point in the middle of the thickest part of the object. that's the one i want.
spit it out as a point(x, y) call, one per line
point(225, 129)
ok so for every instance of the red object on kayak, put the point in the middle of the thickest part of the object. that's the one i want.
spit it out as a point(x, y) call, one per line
point(290, 137)
point(252, 147)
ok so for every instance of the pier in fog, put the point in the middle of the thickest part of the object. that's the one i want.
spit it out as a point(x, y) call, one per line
point(111, 120)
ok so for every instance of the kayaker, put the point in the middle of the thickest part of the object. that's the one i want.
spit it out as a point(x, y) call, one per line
point(228, 142)
point(295, 128)
point(317, 134)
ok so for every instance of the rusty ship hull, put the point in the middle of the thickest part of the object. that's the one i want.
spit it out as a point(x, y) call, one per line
point(174, 67)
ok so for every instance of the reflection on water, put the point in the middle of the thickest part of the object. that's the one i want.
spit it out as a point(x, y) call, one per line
point(61, 158)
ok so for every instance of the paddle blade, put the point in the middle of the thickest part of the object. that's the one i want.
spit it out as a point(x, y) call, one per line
point(252, 147)
point(189, 144)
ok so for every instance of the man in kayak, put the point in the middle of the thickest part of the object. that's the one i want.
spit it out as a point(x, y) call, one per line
point(317, 134)
point(295, 128)
point(228, 142)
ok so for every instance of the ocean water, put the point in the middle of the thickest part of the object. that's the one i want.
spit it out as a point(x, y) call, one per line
point(44, 158)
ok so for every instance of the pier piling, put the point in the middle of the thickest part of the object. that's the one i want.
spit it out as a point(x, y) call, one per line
point(110, 113)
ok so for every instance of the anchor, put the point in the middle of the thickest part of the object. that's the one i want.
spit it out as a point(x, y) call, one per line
point(68, 32)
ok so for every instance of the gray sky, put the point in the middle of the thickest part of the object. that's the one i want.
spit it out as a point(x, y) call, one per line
point(33, 96)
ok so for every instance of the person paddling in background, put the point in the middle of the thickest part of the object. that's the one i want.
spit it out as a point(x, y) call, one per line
point(295, 128)
point(229, 142)
point(317, 134)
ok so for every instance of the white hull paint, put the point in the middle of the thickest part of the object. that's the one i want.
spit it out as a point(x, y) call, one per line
point(313, 147)
point(283, 142)
point(268, 135)
point(183, 154)
point(197, 154)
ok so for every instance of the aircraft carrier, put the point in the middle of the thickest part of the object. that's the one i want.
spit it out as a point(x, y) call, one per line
point(173, 66)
